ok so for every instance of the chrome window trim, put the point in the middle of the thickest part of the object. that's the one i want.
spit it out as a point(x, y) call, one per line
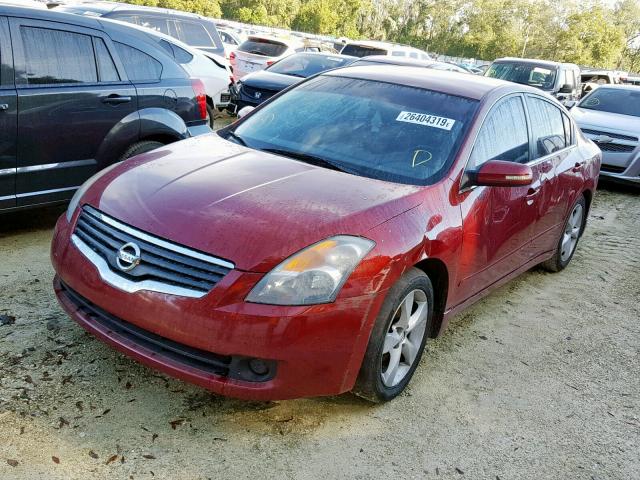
point(50, 166)
point(158, 241)
point(45, 192)
point(125, 285)
point(7, 171)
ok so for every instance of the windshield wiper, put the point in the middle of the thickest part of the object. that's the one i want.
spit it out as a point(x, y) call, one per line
point(236, 137)
point(305, 157)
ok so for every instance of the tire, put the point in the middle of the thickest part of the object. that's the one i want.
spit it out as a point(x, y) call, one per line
point(376, 381)
point(573, 228)
point(140, 147)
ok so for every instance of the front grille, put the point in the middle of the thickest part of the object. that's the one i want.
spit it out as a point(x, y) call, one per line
point(161, 262)
point(615, 147)
point(232, 366)
point(251, 92)
point(619, 136)
point(612, 168)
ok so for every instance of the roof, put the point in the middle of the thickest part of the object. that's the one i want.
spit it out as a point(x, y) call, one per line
point(272, 38)
point(102, 8)
point(376, 44)
point(535, 61)
point(50, 15)
point(453, 83)
point(404, 61)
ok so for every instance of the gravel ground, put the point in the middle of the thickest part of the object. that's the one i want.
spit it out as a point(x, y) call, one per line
point(539, 381)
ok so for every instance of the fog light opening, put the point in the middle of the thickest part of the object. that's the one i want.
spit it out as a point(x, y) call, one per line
point(259, 367)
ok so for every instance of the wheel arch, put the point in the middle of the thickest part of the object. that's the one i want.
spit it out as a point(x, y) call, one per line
point(438, 273)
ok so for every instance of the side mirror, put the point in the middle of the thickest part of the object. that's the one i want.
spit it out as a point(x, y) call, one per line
point(499, 173)
point(566, 88)
point(244, 111)
point(569, 104)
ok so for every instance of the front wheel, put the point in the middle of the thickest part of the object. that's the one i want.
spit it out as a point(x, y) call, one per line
point(569, 238)
point(397, 339)
point(140, 147)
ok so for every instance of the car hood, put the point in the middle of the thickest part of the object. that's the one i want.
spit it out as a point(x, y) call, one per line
point(246, 206)
point(606, 120)
point(270, 81)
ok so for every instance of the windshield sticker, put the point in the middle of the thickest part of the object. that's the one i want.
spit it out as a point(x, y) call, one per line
point(421, 157)
point(426, 120)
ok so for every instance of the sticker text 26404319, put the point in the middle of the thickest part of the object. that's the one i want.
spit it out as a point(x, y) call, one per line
point(426, 119)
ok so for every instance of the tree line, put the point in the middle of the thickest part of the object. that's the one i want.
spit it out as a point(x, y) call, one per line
point(586, 32)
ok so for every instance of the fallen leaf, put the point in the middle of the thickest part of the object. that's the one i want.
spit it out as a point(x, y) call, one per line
point(128, 385)
point(457, 469)
point(55, 459)
point(93, 454)
point(149, 456)
point(112, 458)
point(175, 423)
point(7, 320)
point(153, 437)
point(13, 463)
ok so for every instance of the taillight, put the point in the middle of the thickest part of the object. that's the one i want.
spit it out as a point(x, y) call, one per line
point(232, 56)
point(270, 62)
point(201, 97)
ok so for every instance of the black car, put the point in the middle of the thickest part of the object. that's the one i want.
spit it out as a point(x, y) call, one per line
point(257, 87)
point(78, 94)
point(194, 30)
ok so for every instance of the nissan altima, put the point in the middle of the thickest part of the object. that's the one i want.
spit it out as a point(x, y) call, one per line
point(315, 245)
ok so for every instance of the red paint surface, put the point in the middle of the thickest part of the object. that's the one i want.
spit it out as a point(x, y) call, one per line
point(256, 209)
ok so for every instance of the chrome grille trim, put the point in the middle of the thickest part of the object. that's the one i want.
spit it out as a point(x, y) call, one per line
point(158, 241)
point(161, 266)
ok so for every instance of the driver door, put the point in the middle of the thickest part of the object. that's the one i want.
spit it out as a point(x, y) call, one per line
point(497, 221)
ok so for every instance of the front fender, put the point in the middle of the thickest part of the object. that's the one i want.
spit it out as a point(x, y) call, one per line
point(146, 123)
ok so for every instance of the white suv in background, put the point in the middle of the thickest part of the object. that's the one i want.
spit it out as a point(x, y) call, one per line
point(257, 52)
point(365, 48)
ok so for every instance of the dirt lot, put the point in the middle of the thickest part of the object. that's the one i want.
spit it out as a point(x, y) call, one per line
point(539, 381)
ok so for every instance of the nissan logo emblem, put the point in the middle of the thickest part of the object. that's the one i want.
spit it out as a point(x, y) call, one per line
point(257, 95)
point(128, 257)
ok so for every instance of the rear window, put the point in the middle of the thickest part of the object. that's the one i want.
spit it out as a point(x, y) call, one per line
point(304, 65)
point(361, 50)
point(622, 101)
point(263, 47)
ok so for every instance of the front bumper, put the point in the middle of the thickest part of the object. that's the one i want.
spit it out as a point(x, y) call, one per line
point(620, 169)
point(314, 350)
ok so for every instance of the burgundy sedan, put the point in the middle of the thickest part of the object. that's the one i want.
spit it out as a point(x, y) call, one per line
point(313, 247)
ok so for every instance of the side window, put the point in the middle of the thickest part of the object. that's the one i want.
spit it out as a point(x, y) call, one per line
point(107, 71)
point(154, 23)
point(139, 65)
point(124, 18)
point(568, 130)
point(503, 135)
point(547, 126)
point(195, 34)
point(413, 54)
point(398, 53)
point(56, 56)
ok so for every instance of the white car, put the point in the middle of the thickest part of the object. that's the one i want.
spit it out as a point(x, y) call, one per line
point(257, 52)
point(230, 39)
point(213, 70)
point(365, 48)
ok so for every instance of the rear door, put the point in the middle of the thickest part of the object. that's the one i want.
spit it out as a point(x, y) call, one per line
point(553, 166)
point(72, 91)
point(8, 120)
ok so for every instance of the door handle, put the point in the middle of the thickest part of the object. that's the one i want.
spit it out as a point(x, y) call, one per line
point(4, 106)
point(116, 99)
point(577, 167)
point(532, 193)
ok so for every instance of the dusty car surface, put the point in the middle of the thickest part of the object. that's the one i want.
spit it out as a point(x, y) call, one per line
point(610, 116)
point(312, 247)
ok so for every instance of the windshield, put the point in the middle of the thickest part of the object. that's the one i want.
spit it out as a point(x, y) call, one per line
point(622, 101)
point(524, 73)
point(368, 128)
point(305, 65)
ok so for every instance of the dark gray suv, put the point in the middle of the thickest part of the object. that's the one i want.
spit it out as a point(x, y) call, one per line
point(78, 94)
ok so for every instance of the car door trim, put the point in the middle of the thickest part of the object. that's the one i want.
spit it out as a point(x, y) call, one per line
point(51, 166)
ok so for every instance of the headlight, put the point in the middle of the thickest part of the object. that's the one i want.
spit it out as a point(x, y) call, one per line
point(73, 204)
point(313, 275)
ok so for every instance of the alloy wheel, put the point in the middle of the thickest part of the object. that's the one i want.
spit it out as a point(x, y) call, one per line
point(571, 233)
point(404, 337)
